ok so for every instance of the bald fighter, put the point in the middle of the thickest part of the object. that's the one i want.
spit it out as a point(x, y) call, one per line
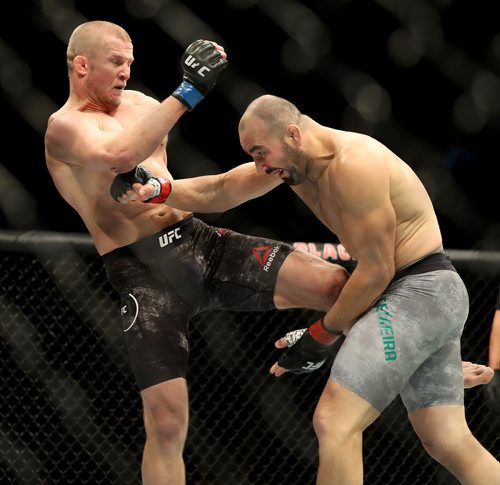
point(404, 303)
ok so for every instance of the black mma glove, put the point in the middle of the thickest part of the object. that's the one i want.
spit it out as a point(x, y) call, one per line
point(308, 348)
point(123, 182)
point(201, 64)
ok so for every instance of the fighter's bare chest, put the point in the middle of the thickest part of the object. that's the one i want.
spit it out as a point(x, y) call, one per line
point(127, 116)
point(325, 207)
point(122, 119)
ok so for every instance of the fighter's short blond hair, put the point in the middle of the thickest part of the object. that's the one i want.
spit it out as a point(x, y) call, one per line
point(87, 38)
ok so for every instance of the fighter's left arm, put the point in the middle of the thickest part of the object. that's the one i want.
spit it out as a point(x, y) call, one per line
point(204, 194)
point(368, 222)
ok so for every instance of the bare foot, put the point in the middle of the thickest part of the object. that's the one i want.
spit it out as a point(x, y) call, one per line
point(476, 374)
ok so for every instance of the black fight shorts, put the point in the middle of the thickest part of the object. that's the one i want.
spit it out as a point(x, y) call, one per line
point(185, 269)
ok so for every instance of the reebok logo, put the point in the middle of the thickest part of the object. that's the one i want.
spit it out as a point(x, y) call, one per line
point(262, 253)
point(265, 255)
point(166, 239)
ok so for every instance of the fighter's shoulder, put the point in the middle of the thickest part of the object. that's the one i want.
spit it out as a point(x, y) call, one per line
point(137, 97)
point(352, 144)
point(60, 122)
point(361, 161)
point(64, 124)
point(70, 114)
point(359, 152)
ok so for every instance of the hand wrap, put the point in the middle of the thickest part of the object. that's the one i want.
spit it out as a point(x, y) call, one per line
point(201, 65)
point(308, 348)
point(124, 181)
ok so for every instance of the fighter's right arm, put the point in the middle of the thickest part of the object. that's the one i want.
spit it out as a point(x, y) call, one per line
point(78, 138)
point(221, 192)
point(86, 139)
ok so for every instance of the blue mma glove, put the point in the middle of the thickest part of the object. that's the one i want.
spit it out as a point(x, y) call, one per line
point(201, 64)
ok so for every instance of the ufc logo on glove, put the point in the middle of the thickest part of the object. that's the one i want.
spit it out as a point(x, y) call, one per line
point(192, 63)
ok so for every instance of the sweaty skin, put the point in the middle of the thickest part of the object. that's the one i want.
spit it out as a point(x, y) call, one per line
point(361, 191)
point(104, 129)
point(326, 176)
point(358, 188)
point(381, 213)
point(88, 141)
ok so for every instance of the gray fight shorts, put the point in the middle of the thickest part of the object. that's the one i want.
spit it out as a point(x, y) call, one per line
point(408, 343)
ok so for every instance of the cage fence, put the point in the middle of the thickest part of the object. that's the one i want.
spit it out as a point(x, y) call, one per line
point(71, 411)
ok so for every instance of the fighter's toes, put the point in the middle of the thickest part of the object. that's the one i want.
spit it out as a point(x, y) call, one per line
point(476, 374)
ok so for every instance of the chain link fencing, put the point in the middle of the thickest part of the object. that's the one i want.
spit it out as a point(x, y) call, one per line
point(71, 412)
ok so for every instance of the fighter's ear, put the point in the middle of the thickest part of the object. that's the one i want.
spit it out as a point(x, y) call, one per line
point(80, 65)
point(294, 134)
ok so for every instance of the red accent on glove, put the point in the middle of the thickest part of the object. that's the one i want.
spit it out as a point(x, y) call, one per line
point(166, 188)
point(318, 333)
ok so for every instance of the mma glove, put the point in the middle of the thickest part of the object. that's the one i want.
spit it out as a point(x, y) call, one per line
point(123, 182)
point(308, 348)
point(201, 65)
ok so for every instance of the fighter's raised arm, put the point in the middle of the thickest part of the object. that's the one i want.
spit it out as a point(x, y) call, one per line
point(104, 143)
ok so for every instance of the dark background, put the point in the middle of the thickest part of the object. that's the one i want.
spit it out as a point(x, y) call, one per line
point(421, 76)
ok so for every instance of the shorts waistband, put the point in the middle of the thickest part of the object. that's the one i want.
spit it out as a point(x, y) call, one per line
point(433, 262)
point(168, 237)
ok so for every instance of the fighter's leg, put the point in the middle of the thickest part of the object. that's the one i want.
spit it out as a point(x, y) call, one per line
point(307, 281)
point(446, 437)
point(166, 422)
point(367, 374)
point(155, 328)
point(160, 289)
point(434, 399)
point(378, 359)
point(339, 420)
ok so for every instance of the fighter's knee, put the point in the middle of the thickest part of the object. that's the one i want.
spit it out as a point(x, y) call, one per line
point(334, 282)
point(436, 450)
point(327, 427)
point(443, 448)
point(320, 422)
point(165, 427)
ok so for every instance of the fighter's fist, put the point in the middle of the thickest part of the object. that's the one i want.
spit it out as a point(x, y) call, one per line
point(308, 349)
point(201, 64)
point(304, 355)
point(123, 184)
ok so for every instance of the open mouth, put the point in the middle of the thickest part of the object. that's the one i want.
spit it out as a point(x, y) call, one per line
point(276, 171)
